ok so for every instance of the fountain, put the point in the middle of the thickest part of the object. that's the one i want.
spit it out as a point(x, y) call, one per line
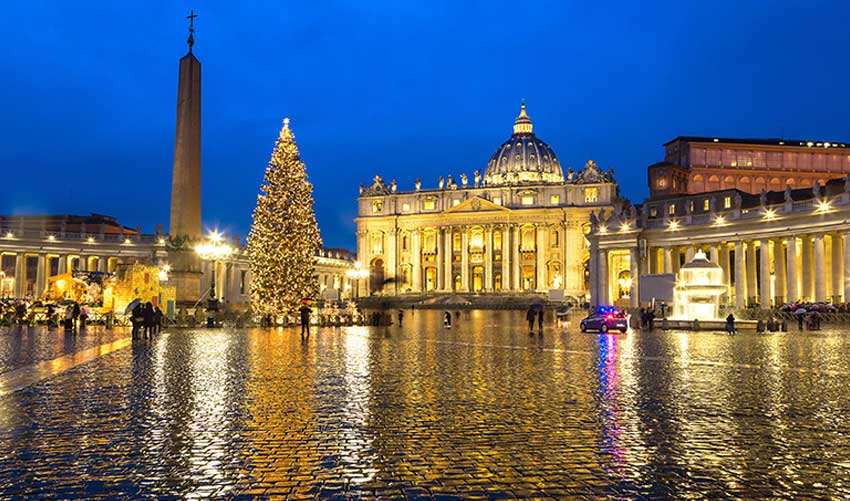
point(699, 286)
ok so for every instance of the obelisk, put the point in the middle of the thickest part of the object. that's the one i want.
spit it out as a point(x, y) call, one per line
point(186, 180)
point(185, 227)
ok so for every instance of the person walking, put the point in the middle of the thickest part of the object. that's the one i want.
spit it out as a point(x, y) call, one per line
point(447, 319)
point(540, 320)
point(84, 316)
point(530, 315)
point(400, 317)
point(69, 318)
point(730, 324)
point(800, 322)
point(149, 322)
point(76, 314)
point(305, 320)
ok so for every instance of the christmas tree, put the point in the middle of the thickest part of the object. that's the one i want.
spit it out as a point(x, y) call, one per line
point(284, 235)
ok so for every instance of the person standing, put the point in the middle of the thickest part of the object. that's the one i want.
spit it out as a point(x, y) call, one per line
point(305, 320)
point(447, 319)
point(529, 317)
point(136, 319)
point(157, 319)
point(69, 318)
point(84, 316)
point(400, 317)
point(148, 316)
point(76, 315)
point(800, 322)
point(730, 324)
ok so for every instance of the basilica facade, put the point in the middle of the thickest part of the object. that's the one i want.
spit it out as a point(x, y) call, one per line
point(519, 227)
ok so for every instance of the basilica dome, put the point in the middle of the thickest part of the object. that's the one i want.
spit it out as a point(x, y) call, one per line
point(523, 159)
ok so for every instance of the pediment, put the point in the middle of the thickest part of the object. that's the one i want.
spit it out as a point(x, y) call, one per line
point(476, 204)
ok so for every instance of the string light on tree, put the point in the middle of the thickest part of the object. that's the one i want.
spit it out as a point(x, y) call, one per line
point(284, 235)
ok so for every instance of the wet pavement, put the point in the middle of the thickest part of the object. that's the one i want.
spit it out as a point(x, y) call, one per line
point(479, 411)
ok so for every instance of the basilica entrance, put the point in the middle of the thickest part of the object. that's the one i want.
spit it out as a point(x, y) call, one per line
point(477, 278)
point(430, 279)
point(376, 275)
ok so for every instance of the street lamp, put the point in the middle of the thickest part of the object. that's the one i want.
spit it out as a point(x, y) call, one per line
point(357, 274)
point(213, 250)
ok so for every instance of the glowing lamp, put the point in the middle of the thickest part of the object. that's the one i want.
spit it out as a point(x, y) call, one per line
point(823, 206)
point(51, 237)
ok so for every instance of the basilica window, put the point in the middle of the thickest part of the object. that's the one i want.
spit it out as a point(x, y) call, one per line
point(556, 238)
point(727, 202)
point(497, 200)
point(476, 240)
point(497, 240)
point(690, 205)
point(429, 204)
point(404, 242)
point(455, 202)
point(456, 242)
point(405, 207)
point(591, 195)
point(653, 212)
point(377, 244)
point(555, 199)
point(527, 240)
point(527, 200)
point(377, 206)
point(430, 243)
point(705, 204)
point(661, 183)
point(671, 210)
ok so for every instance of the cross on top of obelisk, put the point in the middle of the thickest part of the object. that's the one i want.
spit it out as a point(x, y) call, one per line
point(191, 17)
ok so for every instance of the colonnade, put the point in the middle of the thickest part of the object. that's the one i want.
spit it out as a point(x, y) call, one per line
point(766, 271)
point(19, 280)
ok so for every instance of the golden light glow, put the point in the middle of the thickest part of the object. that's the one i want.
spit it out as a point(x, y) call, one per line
point(603, 229)
point(128, 241)
point(824, 206)
point(51, 237)
point(161, 241)
point(214, 249)
point(90, 240)
point(673, 225)
point(624, 227)
point(769, 214)
point(10, 235)
point(720, 221)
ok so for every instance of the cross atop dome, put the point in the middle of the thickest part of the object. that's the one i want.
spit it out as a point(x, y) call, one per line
point(522, 125)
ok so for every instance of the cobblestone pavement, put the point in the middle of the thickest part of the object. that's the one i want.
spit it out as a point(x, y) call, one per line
point(21, 345)
point(480, 411)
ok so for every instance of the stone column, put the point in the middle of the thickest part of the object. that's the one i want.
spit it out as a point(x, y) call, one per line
point(448, 242)
point(440, 256)
point(820, 268)
point(593, 268)
point(506, 258)
point(604, 293)
point(19, 275)
point(464, 259)
point(690, 251)
point(714, 254)
point(723, 250)
point(391, 253)
point(416, 257)
point(765, 295)
point(752, 276)
point(792, 287)
point(845, 243)
point(102, 261)
point(516, 271)
point(634, 270)
point(540, 254)
point(63, 264)
point(806, 265)
point(488, 258)
point(668, 260)
point(837, 268)
point(40, 276)
point(779, 272)
point(84, 263)
point(740, 277)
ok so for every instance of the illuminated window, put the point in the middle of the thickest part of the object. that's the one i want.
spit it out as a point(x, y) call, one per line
point(377, 206)
point(404, 242)
point(555, 199)
point(243, 283)
point(456, 242)
point(671, 210)
point(377, 244)
point(556, 238)
point(429, 204)
point(527, 200)
point(653, 212)
point(705, 204)
point(497, 240)
point(405, 207)
point(591, 195)
point(662, 182)
point(455, 202)
point(497, 200)
point(727, 202)
point(690, 206)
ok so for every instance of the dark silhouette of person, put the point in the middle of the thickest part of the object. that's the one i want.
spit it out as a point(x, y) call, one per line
point(730, 324)
point(149, 319)
point(157, 319)
point(530, 315)
point(800, 322)
point(305, 319)
point(540, 320)
point(136, 319)
point(447, 319)
point(400, 317)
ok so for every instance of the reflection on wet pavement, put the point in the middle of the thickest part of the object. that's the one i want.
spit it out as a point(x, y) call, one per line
point(479, 411)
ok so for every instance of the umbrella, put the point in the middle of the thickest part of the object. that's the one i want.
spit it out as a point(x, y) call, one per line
point(799, 311)
point(67, 302)
point(133, 304)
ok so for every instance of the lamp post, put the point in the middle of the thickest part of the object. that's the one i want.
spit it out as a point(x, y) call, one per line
point(213, 250)
point(357, 274)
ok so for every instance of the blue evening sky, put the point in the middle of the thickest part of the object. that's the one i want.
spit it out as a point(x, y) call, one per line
point(403, 89)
